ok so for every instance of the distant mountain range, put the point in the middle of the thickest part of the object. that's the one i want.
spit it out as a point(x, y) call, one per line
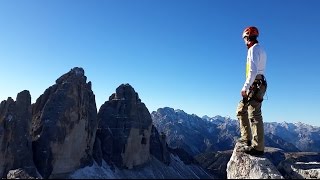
point(63, 135)
point(204, 134)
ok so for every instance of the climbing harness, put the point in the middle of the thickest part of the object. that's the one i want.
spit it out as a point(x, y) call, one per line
point(255, 88)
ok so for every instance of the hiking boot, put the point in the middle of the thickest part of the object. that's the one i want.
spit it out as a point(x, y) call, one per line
point(244, 142)
point(252, 151)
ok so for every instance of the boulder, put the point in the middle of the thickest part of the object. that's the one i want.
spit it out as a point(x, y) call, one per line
point(244, 166)
point(20, 174)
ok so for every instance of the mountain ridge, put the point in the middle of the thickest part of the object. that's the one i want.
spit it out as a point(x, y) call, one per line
point(287, 136)
point(63, 132)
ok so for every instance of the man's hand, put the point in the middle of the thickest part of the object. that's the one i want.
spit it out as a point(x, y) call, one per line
point(244, 94)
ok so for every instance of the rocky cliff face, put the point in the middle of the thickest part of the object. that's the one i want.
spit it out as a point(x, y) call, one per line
point(64, 125)
point(215, 162)
point(301, 165)
point(244, 166)
point(159, 147)
point(125, 128)
point(59, 134)
point(15, 138)
point(185, 131)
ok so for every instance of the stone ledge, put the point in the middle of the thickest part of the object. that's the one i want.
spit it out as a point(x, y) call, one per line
point(244, 166)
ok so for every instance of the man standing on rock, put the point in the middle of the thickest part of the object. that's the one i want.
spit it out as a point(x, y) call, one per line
point(252, 92)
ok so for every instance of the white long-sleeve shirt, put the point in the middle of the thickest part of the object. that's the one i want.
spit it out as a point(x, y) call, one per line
point(256, 64)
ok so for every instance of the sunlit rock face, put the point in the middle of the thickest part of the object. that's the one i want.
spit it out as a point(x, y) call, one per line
point(244, 166)
point(64, 125)
point(125, 128)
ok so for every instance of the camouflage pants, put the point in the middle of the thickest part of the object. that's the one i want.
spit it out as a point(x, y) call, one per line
point(250, 117)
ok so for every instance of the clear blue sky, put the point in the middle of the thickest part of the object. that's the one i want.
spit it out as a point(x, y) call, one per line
point(184, 54)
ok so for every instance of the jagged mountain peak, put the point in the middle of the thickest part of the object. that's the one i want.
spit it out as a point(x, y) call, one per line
point(78, 71)
point(167, 110)
point(304, 125)
point(178, 112)
point(176, 115)
point(75, 74)
point(126, 92)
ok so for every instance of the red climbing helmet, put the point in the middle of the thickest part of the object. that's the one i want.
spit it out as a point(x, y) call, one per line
point(250, 31)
